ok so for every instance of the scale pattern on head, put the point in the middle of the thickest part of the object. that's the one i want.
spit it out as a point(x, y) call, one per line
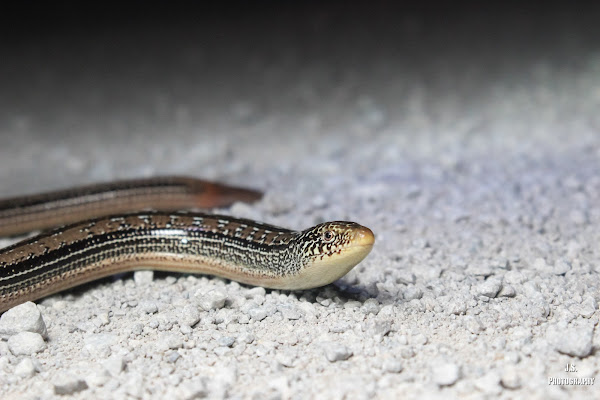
point(325, 240)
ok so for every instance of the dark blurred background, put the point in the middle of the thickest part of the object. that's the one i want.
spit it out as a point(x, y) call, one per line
point(94, 82)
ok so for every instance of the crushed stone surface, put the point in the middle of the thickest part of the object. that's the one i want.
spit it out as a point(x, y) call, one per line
point(479, 178)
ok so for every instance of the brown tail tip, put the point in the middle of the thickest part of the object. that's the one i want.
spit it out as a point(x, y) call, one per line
point(218, 195)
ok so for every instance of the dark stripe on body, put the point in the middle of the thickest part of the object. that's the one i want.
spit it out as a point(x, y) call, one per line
point(129, 241)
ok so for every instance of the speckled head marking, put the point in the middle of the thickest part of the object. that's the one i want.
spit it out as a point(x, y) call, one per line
point(328, 251)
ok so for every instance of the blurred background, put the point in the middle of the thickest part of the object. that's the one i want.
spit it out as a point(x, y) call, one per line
point(252, 91)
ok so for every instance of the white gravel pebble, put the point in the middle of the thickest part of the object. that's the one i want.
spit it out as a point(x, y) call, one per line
point(190, 315)
point(511, 379)
point(25, 368)
point(289, 311)
point(507, 291)
point(412, 293)
point(99, 345)
point(473, 324)
point(134, 386)
point(588, 307)
point(561, 267)
point(245, 338)
point(212, 300)
point(257, 313)
point(143, 278)
point(287, 359)
point(419, 339)
point(114, 365)
point(405, 277)
point(196, 389)
point(337, 352)
point(489, 288)
point(370, 306)
point(446, 374)
point(489, 384)
point(26, 343)
point(21, 318)
point(173, 356)
point(175, 342)
point(573, 341)
point(68, 384)
point(226, 341)
point(148, 306)
point(456, 306)
point(392, 366)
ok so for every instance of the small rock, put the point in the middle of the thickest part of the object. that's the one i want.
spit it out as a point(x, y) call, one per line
point(382, 328)
point(402, 340)
point(25, 368)
point(473, 324)
point(99, 345)
point(256, 291)
point(196, 389)
point(340, 327)
point(531, 289)
point(405, 277)
point(370, 306)
point(212, 300)
point(392, 366)
point(137, 329)
point(412, 293)
point(578, 217)
point(97, 378)
point(489, 288)
point(222, 351)
point(286, 359)
point(561, 267)
point(499, 263)
point(407, 352)
point(257, 313)
point(337, 352)
point(173, 356)
point(114, 365)
point(511, 379)
point(68, 384)
point(456, 306)
point(507, 291)
point(4, 348)
point(190, 315)
point(575, 342)
point(60, 305)
point(480, 270)
point(101, 319)
point(588, 307)
point(352, 304)
point(419, 339)
point(540, 264)
point(135, 386)
point(143, 278)
point(245, 337)
point(26, 343)
point(171, 341)
point(289, 311)
point(489, 383)
point(445, 374)
point(226, 341)
point(148, 306)
point(25, 317)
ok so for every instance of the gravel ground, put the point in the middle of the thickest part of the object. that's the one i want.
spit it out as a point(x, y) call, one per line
point(470, 145)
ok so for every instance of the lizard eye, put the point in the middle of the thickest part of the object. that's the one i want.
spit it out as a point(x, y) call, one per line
point(328, 236)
